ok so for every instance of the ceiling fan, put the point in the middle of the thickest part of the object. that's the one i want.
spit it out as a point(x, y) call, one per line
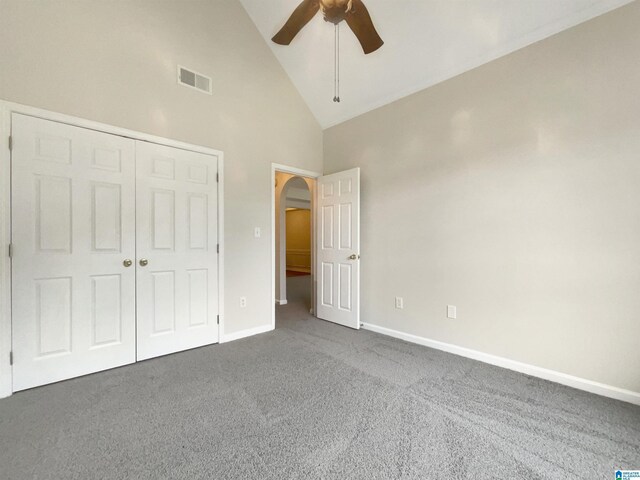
point(335, 11)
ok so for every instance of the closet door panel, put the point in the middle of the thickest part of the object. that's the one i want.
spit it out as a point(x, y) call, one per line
point(73, 225)
point(177, 262)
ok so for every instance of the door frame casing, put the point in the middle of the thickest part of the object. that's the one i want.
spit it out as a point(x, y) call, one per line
point(6, 110)
point(276, 167)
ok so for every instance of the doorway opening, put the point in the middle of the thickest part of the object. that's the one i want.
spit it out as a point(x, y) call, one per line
point(332, 290)
point(293, 244)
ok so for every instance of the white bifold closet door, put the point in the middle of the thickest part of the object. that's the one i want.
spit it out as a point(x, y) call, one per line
point(73, 225)
point(177, 268)
point(114, 250)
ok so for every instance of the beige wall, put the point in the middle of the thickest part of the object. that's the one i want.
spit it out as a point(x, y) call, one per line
point(298, 227)
point(513, 192)
point(115, 62)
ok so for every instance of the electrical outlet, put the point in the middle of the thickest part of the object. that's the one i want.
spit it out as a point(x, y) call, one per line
point(243, 302)
point(451, 311)
point(399, 302)
point(257, 232)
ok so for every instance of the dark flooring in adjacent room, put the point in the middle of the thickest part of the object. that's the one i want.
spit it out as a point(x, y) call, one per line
point(293, 273)
point(314, 400)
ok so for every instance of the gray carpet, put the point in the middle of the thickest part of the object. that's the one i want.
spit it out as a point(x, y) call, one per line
point(314, 400)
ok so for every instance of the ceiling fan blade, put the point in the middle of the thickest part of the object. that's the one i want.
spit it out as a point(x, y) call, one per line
point(298, 19)
point(360, 23)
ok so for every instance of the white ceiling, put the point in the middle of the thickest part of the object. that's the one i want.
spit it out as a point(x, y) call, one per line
point(426, 42)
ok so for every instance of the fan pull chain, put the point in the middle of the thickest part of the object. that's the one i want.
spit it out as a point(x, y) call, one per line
point(336, 64)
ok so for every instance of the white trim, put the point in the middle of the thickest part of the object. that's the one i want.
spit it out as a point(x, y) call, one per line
point(546, 374)
point(6, 379)
point(281, 302)
point(221, 243)
point(249, 332)
point(276, 167)
point(11, 107)
point(293, 171)
point(6, 109)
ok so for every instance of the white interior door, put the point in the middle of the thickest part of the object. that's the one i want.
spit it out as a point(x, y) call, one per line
point(338, 248)
point(73, 224)
point(177, 260)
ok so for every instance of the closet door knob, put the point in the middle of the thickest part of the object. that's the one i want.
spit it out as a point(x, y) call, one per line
point(143, 262)
point(127, 263)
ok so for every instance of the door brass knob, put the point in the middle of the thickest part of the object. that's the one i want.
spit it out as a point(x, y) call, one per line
point(127, 263)
point(354, 257)
point(143, 262)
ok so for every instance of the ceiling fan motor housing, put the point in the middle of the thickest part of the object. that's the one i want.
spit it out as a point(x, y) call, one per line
point(335, 11)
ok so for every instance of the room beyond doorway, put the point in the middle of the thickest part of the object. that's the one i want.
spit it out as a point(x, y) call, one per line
point(294, 231)
point(293, 238)
point(298, 232)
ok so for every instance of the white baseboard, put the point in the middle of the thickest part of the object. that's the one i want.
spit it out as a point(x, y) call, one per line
point(230, 337)
point(546, 374)
point(281, 302)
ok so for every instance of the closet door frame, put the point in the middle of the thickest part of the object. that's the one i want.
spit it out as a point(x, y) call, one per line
point(6, 110)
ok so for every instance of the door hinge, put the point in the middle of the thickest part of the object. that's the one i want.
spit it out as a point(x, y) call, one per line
point(218, 319)
point(217, 177)
point(10, 143)
point(218, 248)
point(10, 358)
point(11, 250)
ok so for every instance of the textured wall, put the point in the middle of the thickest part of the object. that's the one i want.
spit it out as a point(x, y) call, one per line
point(513, 192)
point(115, 62)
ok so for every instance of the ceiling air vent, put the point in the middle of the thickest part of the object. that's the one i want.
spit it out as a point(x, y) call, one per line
point(192, 79)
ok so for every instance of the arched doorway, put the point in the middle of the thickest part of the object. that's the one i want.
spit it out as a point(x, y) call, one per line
point(294, 239)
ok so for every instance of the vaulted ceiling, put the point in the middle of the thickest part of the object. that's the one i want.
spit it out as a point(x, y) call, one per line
point(426, 42)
